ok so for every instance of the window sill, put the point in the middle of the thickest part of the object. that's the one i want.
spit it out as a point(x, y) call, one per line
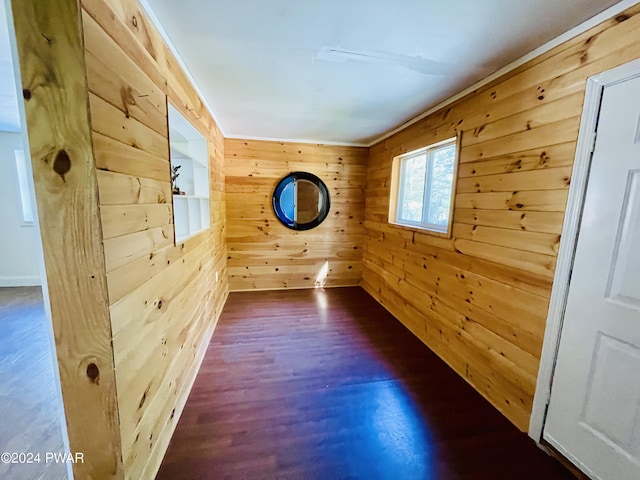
point(191, 236)
point(421, 229)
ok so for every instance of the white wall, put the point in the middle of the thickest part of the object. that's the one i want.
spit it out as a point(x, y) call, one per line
point(19, 244)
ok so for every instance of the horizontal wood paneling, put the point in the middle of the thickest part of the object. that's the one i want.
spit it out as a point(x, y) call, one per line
point(127, 88)
point(121, 220)
point(119, 251)
point(480, 300)
point(117, 189)
point(114, 156)
point(549, 179)
point(121, 281)
point(526, 200)
point(263, 253)
point(113, 123)
point(551, 156)
point(531, 221)
point(164, 298)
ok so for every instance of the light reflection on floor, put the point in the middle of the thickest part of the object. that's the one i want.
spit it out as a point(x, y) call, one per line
point(401, 429)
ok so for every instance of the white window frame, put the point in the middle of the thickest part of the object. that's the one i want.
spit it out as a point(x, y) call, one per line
point(397, 186)
point(27, 208)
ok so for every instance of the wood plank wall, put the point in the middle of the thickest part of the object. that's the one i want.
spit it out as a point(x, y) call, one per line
point(163, 298)
point(54, 86)
point(263, 253)
point(480, 299)
point(125, 299)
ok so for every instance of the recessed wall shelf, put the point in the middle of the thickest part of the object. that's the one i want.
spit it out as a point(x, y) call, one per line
point(188, 150)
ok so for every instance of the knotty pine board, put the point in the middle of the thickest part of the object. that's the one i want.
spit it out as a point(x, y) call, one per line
point(263, 253)
point(519, 137)
point(163, 298)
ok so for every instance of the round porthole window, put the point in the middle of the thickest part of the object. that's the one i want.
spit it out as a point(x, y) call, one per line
point(301, 201)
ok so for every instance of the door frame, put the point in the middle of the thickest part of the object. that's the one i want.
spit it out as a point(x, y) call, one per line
point(570, 229)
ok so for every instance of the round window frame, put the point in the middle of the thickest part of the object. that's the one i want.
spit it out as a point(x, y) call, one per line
point(277, 207)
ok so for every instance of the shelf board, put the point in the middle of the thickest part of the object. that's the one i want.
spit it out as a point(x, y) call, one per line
point(200, 197)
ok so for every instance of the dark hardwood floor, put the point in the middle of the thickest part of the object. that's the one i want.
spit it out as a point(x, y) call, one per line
point(31, 415)
point(326, 384)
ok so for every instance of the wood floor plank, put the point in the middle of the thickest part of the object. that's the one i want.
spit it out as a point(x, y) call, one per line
point(319, 384)
point(32, 415)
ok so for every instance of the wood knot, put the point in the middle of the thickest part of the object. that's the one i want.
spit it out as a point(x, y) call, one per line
point(134, 21)
point(128, 99)
point(621, 18)
point(544, 158)
point(93, 372)
point(26, 94)
point(142, 400)
point(62, 163)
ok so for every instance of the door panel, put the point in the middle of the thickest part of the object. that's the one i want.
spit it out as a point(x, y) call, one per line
point(594, 410)
point(623, 285)
point(604, 396)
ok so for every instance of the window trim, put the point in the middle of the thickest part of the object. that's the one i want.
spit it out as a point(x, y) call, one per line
point(396, 187)
point(27, 207)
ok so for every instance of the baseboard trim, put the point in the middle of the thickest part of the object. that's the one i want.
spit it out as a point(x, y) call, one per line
point(21, 281)
point(311, 287)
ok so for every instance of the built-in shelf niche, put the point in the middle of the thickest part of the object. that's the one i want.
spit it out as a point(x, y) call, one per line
point(188, 148)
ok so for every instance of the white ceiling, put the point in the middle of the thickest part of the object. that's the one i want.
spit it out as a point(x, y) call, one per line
point(266, 69)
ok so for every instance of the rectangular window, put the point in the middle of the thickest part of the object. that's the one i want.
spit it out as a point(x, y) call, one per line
point(23, 186)
point(423, 187)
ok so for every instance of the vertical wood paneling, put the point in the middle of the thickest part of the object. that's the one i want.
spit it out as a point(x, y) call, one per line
point(263, 253)
point(164, 299)
point(49, 39)
point(480, 300)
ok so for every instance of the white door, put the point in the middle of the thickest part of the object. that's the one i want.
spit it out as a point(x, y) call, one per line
point(594, 411)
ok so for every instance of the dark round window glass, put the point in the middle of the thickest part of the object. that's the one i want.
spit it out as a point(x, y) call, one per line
point(301, 201)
